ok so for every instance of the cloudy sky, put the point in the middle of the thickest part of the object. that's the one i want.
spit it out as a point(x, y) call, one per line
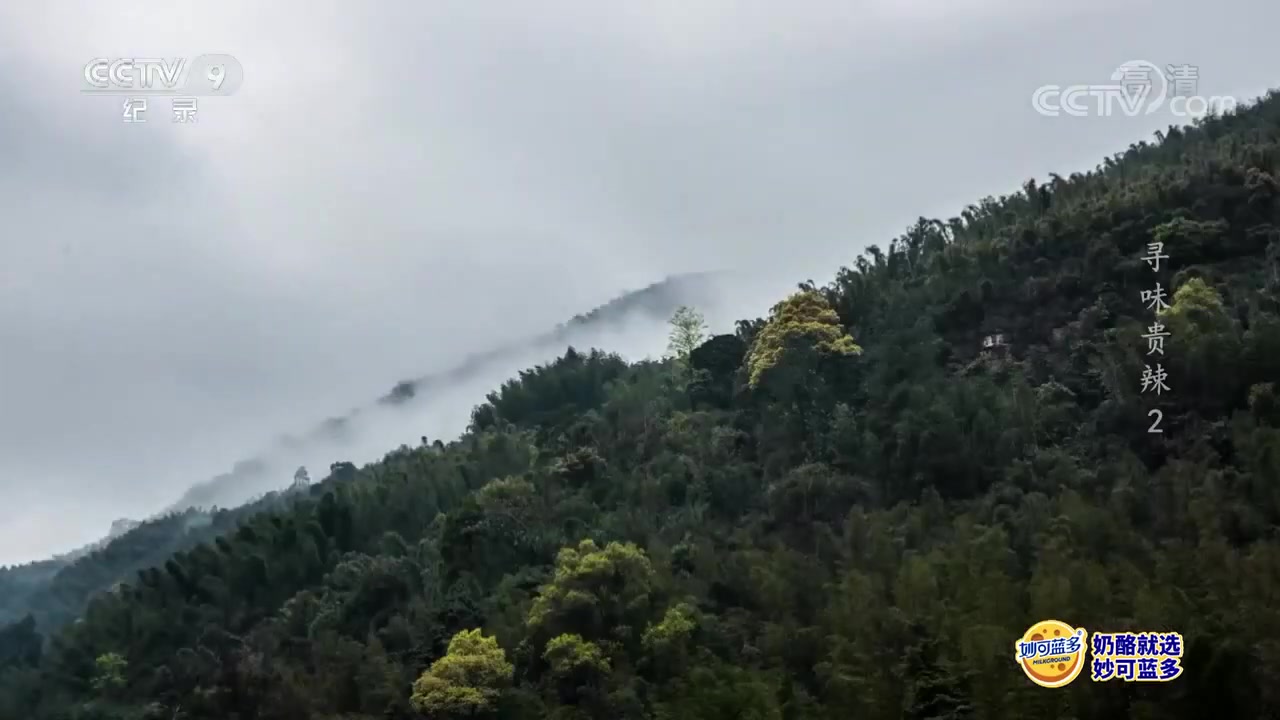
point(399, 183)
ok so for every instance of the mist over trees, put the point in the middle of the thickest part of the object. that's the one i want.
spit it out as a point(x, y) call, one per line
point(849, 508)
point(55, 591)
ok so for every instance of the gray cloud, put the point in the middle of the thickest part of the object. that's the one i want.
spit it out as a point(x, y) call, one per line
point(399, 184)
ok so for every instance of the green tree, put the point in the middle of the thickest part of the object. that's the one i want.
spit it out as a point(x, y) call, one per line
point(688, 330)
point(715, 690)
point(575, 660)
point(20, 644)
point(467, 682)
point(790, 363)
point(598, 593)
point(1204, 345)
point(668, 642)
point(110, 676)
point(801, 330)
point(714, 365)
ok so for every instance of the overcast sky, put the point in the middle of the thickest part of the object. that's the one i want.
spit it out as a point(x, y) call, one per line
point(399, 183)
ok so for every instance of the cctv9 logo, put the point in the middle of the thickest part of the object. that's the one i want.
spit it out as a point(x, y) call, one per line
point(214, 74)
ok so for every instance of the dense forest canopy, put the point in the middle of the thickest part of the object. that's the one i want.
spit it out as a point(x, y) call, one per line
point(850, 508)
point(54, 592)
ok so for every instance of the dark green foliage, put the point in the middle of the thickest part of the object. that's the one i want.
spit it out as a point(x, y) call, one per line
point(20, 644)
point(715, 364)
point(552, 396)
point(57, 591)
point(859, 535)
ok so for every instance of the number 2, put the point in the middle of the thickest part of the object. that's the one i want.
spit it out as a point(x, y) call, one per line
point(1155, 426)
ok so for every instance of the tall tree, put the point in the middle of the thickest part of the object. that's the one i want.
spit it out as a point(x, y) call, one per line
point(467, 682)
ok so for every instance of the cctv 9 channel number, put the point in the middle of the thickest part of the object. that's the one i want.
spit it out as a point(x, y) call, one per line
point(204, 75)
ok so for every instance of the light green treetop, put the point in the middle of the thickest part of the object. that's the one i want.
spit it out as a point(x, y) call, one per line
point(688, 330)
point(594, 589)
point(467, 681)
point(798, 330)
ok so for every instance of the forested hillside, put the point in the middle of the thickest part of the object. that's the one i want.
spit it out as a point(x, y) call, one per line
point(658, 300)
point(55, 591)
point(847, 509)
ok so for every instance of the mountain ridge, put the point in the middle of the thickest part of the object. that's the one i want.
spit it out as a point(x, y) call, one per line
point(171, 529)
point(654, 302)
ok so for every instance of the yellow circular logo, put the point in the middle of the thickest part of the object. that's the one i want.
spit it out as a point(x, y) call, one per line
point(1051, 653)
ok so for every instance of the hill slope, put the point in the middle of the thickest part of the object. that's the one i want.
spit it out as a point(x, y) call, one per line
point(844, 510)
point(347, 433)
point(56, 590)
